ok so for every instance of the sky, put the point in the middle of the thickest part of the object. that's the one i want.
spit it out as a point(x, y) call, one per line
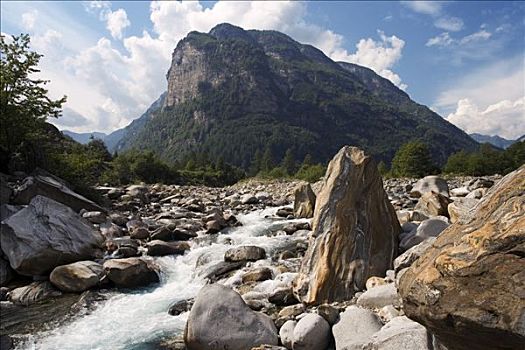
point(464, 59)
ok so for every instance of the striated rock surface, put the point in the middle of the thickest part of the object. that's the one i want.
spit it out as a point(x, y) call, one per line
point(355, 231)
point(304, 202)
point(468, 288)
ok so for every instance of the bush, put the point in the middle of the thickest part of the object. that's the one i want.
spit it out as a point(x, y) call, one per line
point(413, 159)
point(310, 173)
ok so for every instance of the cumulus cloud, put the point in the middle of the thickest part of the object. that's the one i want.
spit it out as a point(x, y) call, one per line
point(116, 22)
point(29, 19)
point(435, 10)
point(505, 118)
point(425, 7)
point(452, 24)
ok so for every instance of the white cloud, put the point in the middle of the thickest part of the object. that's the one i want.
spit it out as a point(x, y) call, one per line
point(505, 118)
point(452, 24)
point(29, 19)
point(474, 37)
point(479, 45)
point(426, 7)
point(442, 39)
point(116, 22)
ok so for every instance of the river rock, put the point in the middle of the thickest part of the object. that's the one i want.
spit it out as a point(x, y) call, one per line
point(379, 296)
point(161, 248)
point(460, 208)
point(304, 202)
point(428, 228)
point(469, 286)
point(355, 328)
point(47, 234)
point(6, 272)
point(430, 184)
point(180, 307)
point(33, 293)
point(244, 253)
point(401, 333)
point(286, 333)
point(220, 319)
point(312, 332)
point(407, 258)
point(433, 204)
point(355, 231)
point(257, 274)
point(50, 187)
point(282, 297)
point(165, 234)
point(77, 277)
point(95, 217)
point(249, 199)
point(130, 272)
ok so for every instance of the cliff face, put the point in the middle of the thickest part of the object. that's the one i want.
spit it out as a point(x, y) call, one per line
point(232, 92)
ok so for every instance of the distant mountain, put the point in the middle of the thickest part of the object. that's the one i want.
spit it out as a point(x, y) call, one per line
point(233, 92)
point(84, 137)
point(494, 140)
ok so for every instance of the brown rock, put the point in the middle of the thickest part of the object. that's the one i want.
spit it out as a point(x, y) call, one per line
point(355, 231)
point(468, 288)
point(304, 202)
point(433, 204)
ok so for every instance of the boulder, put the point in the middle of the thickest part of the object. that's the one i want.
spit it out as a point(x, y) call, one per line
point(407, 258)
point(180, 307)
point(401, 333)
point(312, 332)
point(304, 202)
point(355, 328)
point(355, 231)
point(329, 313)
point(161, 248)
point(6, 272)
point(282, 296)
point(430, 184)
point(47, 234)
point(468, 288)
point(5, 190)
point(249, 199)
point(433, 204)
point(95, 217)
point(77, 277)
point(165, 234)
point(220, 319)
point(286, 333)
point(257, 274)
point(130, 272)
point(379, 296)
point(50, 187)
point(244, 253)
point(460, 208)
point(428, 228)
point(33, 293)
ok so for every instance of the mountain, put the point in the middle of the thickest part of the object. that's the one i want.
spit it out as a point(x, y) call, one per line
point(232, 92)
point(494, 140)
point(85, 137)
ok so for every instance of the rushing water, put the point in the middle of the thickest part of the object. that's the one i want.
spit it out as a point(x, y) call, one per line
point(136, 318)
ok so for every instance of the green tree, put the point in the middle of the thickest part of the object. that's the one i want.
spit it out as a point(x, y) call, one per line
point(383, 169)
point(24, 104)
point(307, 160)
point(413, 159)
point(97, 149)
point(267, 160)
point(288, 162)
point(457, 163)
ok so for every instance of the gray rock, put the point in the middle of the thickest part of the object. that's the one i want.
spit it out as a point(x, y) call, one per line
point(304, 202)
point(407, 258)
point(249, 199)
point(6, 210)
point(95, 217)
point(77, 277)
point(47, 234)
point(355, 328)
point(428, 228)
point(33, 293)
point(380, 296)
point(428, 184)
point(244, 253)
point(329, 313)
point(130, 272)
point(220, 269)
point(161, 248)
point(433, 204)
point(165, 234)
point(50, 187)
point(401, 333)
point(286, 333)
point(461, 209)
point(257, 274)
point(6, 272)
point(312, 332)
point(220, 319)
point(5, 190)
point(180, 307)
point(292, 311)
point(282, 297)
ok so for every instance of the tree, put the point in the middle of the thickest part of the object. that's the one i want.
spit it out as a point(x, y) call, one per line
point(97, 149)
point(383, 169)
point(413, 159)
point(457, 163)
point(288, 162)
point(24, 104)
point(267, 160)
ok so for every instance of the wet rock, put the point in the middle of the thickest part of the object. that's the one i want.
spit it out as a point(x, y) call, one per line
point(284, 212)
point(355, 327)
point(130, 272)
point(220, 319)
point(219, 270)
point(214, 226)
point(304, 201)
point(430, 184)
point(180, 307)
point(257, 274)
point(95, 217)
point(77, 277)
point(47, 234)
point(379, 296)
point(286, 333)
point(468, 287)
point(433, 204)
point(140, 232)
point(282, 297)
point(355, 231)
point(110, 231)
point(118, 219)
point(245, 253)
point(312, 332)
point(161, 248)
point(401, 333)
point(166, 234)
point(32, 293)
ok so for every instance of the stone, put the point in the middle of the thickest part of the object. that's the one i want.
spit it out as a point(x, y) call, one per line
point(312, 332)
point(428, 228)
point(407, 258)
point(214, 226)
point(468, 288)
point(433, 204)
point(52, 188)
point(480, 183)
point(165, 234)
point(33, 293)
point(6, 210)
point(428, 184)
point(401, 333)
point(76, 277)
point(180, 307)
point(257, 274)
point(304, 202)
point(249, 199)
point(292, 311)
point(477, 193)
point(460, 209)
point(355, 327)
point(374, 281)
point(130, 272)
point(286, 333)
point(244, 253)
point(284, 212)
point(221, 269)
point(5, 190)
point(139, 232)
point(6, 272)
point(282, 296)
point(95, 217)
point(329, 313)
point(3, 295)
point(355, 231)
point(379, 296)
point(47, 234)
point(459, 192)
point(161, 248)
point(220, 319)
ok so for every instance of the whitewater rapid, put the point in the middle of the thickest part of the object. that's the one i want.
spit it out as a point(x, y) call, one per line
point(138, 319)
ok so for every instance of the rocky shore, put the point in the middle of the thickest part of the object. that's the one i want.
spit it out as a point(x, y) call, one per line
point(350, 262)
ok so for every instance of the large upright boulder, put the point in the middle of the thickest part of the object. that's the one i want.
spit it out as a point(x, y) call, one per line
point(220, 319)
point(50, 187)
point(304, 202)
point(468, 288)
point(47, 234)
point(355, 231)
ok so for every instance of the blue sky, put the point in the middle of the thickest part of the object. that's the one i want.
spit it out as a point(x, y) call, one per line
point(465, 59)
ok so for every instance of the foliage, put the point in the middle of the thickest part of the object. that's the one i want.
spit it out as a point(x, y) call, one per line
point(413, 159)
point(310, 173)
